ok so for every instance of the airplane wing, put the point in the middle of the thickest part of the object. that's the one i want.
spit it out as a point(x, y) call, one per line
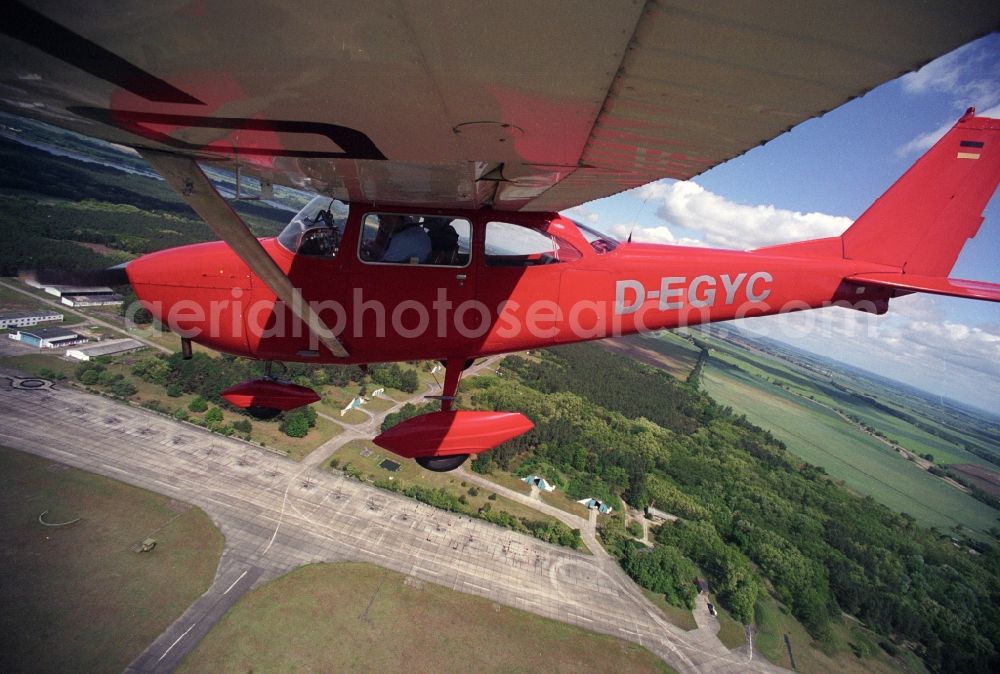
point(522, 104)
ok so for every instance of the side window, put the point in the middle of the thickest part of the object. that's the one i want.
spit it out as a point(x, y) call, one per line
point(395, 238)
point(510, 245)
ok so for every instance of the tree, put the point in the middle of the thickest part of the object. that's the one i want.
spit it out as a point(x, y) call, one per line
point(213, 417)
point(408, 382)
point(295, 424)
point(153, 370)
point(663, 570)
point(122, 388)
point(199, 404)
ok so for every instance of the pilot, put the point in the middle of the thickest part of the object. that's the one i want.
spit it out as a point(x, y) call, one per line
point(444, 241)
point(408, 240)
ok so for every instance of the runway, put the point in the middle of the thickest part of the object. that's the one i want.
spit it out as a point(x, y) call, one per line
point(276, 515)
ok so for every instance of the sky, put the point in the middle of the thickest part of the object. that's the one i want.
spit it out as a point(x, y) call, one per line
point(813, 182)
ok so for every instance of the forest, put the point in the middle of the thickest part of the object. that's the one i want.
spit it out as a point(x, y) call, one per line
point(753, 517)
point(93, 216)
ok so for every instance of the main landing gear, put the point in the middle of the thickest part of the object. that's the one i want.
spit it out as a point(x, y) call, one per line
point(268, 397)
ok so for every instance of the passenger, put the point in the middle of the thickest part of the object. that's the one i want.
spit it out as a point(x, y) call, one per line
point(408, 242)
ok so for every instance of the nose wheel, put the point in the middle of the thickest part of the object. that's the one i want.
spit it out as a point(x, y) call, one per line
point(263, 413)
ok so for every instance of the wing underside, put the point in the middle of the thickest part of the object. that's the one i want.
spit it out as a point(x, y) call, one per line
point(522, 105)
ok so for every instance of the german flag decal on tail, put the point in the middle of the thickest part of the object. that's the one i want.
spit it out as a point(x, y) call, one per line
point(968, 147)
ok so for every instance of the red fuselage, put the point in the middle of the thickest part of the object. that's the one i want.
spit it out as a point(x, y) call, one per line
point(396, 312)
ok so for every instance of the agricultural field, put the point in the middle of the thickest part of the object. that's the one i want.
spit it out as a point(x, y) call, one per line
point(884, 408)
point(850, 648)
point(666, 350)
point(802, 414)
point(75, 597)
point(358, 617)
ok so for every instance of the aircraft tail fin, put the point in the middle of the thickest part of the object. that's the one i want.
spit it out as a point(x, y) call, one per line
point(922, 222)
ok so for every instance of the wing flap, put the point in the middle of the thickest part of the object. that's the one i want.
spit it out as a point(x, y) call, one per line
point(937, 285)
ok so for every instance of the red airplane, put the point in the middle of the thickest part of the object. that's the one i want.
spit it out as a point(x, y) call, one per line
point(442, 162)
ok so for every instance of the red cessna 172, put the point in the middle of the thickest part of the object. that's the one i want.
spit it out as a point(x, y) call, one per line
point(445, 137)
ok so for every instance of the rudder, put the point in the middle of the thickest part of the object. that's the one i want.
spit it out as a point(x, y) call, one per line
point(922, 222)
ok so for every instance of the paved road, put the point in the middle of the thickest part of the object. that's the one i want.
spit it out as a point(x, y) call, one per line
point(277, 514)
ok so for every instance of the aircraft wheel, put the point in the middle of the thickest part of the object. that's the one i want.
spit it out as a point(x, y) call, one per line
point(263, 413)
point(442, 464)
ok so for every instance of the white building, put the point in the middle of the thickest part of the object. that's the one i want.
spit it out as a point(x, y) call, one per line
point(109, 348)
point(48, 338)
point(102, 300)
point(59, 291)
point(25, 319)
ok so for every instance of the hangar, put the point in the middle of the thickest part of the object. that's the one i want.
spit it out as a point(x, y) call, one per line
point(48, 338)
point(26, 319)
point(108, 348)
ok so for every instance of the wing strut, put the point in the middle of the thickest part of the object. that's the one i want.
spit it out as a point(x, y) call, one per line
point(186, 177)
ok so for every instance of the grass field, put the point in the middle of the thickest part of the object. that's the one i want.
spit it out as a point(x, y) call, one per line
point(512, 482)
point(731, 632)
point(75, 598)
point(840, 653)
point(361, 618)
point(37, 363)
point(559, 499)
point(680, 617)
point(866, 465)
point(13, 300)
point(769, 369)
point(364, 456)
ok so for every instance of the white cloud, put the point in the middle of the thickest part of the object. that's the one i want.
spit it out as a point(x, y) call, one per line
point(924, 141)
point(728, 224)
point(642, 234)
point(967, 76)
point(940, 74)
point(585, 215)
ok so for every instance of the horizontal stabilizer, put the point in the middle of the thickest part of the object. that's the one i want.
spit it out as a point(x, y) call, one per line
point(938, 285)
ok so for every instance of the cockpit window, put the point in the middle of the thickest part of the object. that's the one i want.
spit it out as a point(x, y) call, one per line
point(599, 241)
point(317, 229)
point(510, 245)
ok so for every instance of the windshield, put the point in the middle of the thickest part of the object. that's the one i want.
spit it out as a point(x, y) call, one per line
point(599, 241)
point(317, 229)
